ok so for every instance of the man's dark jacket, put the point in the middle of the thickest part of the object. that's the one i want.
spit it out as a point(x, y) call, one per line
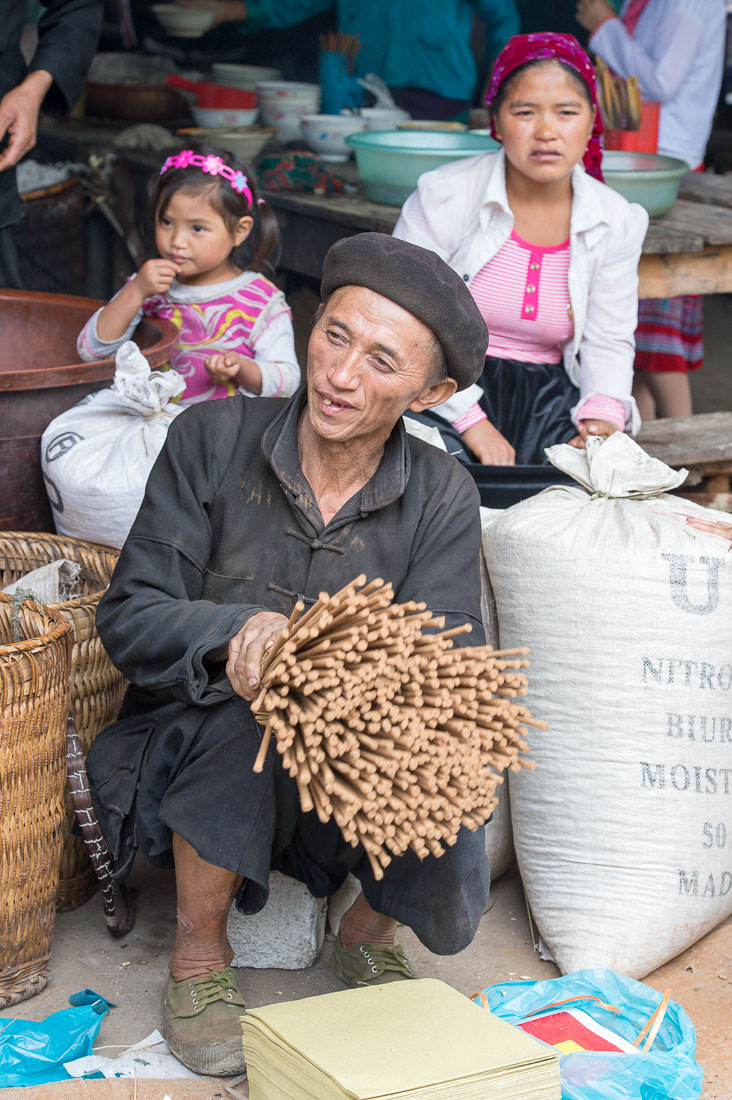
point(229, 527)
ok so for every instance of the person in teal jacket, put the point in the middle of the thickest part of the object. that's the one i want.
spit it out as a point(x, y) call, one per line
point(421, 50)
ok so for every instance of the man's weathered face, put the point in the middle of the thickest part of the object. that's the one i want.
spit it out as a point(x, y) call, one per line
point(368, 361)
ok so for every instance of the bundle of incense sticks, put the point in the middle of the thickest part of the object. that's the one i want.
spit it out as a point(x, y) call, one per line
point(338, 42)
point(619, 98)
point(384, 726)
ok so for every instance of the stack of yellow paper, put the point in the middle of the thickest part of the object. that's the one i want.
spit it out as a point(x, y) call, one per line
point(410, 1040)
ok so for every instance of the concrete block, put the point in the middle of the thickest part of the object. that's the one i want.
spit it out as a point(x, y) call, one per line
point(340, 902)
point(286, 935)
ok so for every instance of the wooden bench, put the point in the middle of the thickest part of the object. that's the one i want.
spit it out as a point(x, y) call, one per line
point(703, 445)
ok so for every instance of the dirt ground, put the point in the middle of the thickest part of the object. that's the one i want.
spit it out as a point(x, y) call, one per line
point(131, 972)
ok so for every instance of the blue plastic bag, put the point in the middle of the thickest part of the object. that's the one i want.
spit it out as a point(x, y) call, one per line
point(668, 1071)
point(34, 1053)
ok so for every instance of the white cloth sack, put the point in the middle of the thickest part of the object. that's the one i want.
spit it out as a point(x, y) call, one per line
point(623, 833)
point(96, 457)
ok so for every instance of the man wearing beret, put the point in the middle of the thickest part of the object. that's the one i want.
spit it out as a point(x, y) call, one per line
point(252, 505)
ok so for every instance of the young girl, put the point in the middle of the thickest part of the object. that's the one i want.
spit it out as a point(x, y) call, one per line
point(214, 239)
point(550, 254)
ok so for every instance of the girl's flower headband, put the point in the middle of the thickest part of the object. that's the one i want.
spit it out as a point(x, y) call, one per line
point(214, 166)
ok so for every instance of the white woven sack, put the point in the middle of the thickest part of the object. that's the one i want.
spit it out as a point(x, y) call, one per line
point(96, 457)
point(498, 832)
point(624, 831)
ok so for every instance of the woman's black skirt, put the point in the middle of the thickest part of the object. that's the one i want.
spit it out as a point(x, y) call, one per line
point(529, 404)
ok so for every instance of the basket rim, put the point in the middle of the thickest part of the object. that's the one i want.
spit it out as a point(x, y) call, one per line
point(60, 628)
point(97, 548)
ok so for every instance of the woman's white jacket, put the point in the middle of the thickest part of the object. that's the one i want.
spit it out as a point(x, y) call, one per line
point(461, 212)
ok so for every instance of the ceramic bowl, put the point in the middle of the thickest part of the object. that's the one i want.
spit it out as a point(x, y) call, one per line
point(383, 118)
point(184, 22)
point(246, 144)
point(326, 134)
point(224, 116)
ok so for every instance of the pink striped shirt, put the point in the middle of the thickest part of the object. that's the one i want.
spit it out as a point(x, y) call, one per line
point(523, 295)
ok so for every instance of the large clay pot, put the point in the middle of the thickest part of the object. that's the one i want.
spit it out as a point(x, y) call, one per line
point(40, 377)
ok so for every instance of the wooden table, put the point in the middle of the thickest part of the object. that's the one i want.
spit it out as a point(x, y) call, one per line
point(702, 444)
point(688, 251)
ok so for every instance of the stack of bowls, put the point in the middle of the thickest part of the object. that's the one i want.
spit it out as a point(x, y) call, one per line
point(282, 103)
point(217, 104)
point(243, 76)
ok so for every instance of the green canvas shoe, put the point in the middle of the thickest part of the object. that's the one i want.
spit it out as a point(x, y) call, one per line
point(201, 1023)
point(370, 963)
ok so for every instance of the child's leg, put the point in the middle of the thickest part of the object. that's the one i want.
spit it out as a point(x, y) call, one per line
point(671, 392)
point(643, 396)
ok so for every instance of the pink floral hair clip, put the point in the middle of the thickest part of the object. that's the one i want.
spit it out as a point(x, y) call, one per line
point(214, 166)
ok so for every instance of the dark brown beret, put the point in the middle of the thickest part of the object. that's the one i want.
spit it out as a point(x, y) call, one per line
point(420, 282)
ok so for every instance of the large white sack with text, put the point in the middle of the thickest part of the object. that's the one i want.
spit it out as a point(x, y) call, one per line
point(624, 832)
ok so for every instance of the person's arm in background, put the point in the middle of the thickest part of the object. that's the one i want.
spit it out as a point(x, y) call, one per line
point(661, 70)
point(607, 347)
point(258, 14)
point(68, 33)
point(502, 21)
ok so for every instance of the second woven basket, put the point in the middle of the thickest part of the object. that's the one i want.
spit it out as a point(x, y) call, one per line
point(96, 685)
point(34, 704)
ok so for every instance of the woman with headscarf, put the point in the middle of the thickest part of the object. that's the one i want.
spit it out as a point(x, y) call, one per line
point(676, 49)
point(550, 255)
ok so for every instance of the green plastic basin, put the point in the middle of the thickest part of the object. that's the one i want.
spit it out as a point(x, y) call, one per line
point(391, 161)
point(646, 178)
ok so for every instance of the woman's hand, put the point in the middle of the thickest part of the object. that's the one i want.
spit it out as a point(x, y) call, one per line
point(488, 445)
point(588, 428)
point(714, 527)
point(155, 277)
point(248, 648)
point(227, 11)
point(591, 14)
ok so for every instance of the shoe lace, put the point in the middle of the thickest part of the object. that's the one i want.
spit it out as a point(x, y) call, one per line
point(216, 986)
point(387, 956)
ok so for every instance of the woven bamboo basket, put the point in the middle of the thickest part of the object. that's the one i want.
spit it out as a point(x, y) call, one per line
point(34, 703)
point(96, 685)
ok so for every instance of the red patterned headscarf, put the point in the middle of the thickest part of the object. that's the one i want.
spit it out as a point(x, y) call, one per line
point(559, 47)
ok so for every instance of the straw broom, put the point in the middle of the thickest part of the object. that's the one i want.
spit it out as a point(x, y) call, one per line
point(385, 727)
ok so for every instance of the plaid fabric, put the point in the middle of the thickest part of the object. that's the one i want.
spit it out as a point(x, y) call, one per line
point(670, 334)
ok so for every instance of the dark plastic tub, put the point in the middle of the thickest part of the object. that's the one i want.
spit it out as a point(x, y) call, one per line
point(502, 486)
